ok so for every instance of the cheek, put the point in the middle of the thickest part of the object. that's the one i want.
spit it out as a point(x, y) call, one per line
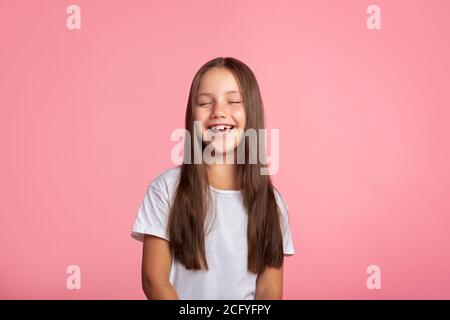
point(200, 114)
point(239, 117)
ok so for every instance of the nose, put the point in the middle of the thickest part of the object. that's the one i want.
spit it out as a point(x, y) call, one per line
point(218, 110)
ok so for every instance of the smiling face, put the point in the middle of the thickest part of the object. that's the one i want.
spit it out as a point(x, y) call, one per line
point(220, 108)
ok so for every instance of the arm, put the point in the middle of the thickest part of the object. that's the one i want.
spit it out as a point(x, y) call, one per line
point(156, 263)
point(269, 284)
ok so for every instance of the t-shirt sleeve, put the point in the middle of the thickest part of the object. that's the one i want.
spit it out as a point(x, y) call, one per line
point(288, 244)
point(152, 216)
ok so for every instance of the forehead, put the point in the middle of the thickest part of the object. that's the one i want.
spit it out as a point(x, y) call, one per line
point(217, 81)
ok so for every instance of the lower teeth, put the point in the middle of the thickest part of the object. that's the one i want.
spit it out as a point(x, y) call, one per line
point(221, 131)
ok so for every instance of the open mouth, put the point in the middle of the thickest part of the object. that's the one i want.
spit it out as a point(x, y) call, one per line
point(221, 128)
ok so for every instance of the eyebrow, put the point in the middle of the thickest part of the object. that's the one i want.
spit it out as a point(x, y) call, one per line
point(210, 94)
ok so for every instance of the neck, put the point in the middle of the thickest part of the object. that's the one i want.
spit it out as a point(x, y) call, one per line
point(222, 176)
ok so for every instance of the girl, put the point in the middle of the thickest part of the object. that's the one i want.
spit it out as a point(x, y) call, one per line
point(215, 229)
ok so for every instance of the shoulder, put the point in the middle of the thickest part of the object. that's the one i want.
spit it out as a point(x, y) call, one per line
point(166, 181)
point(283, 211)
point(280, 200)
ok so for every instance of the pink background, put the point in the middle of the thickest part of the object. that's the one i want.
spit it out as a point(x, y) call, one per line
point(86, 117)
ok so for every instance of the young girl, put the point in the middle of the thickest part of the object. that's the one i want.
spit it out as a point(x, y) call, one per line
point(215, 230)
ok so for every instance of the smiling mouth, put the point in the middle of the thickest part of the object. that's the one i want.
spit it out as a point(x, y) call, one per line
point(221, 128)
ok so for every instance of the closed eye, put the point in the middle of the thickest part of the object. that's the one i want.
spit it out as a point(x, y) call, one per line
point(235, 102)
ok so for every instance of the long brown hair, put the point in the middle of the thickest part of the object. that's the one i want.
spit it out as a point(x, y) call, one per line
point(191, 202)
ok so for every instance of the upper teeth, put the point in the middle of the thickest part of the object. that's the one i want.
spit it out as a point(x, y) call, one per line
point(220, 127)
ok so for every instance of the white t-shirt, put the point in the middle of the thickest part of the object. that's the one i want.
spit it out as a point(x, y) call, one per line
point(225, 241)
